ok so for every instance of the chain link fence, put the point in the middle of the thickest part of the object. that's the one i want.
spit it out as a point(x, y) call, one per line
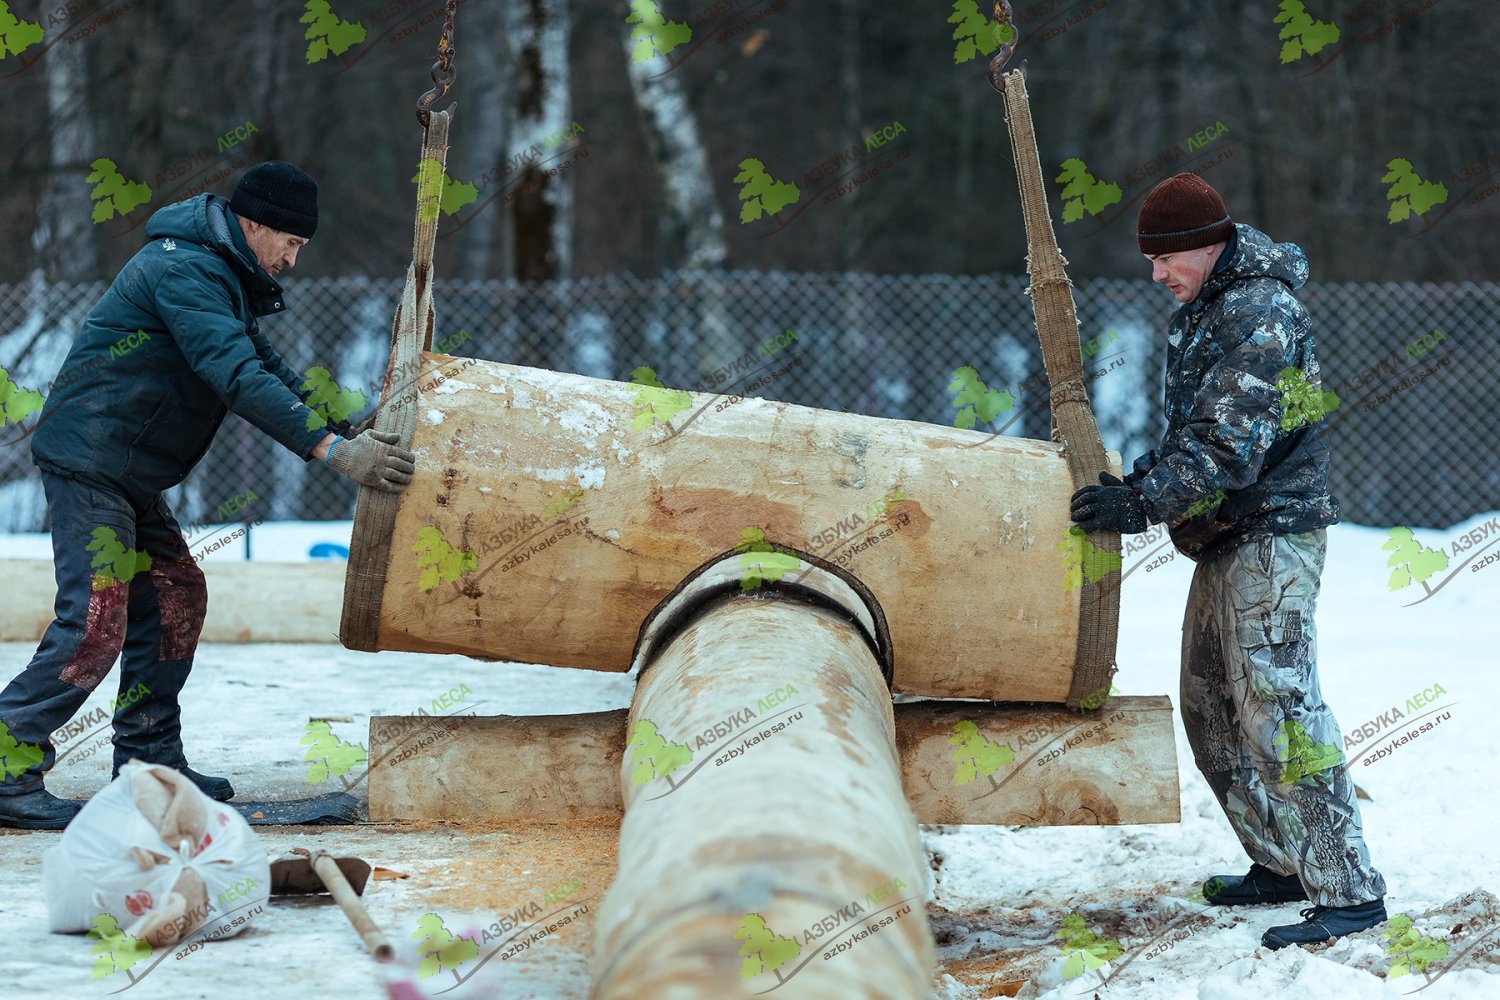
point(1408, 447)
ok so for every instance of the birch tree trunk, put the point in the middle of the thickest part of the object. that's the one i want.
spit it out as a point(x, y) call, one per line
point(63, 239)
point(690, 229)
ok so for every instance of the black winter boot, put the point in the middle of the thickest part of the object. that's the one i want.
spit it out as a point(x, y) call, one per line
point(38, 810)
point(1324, 923)
point(218, 789)
point(1258, 885)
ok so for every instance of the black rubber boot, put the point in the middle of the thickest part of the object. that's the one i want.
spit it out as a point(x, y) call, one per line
point(1258, 885)
point(1324, 923)
point(218, 789)
point(38, 810)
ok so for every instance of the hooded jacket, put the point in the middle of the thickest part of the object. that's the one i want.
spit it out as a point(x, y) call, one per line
point(1244, 452)
point(173, 345)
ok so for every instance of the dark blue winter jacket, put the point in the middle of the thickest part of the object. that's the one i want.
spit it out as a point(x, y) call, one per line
point(172, 346)
point(1244, 452)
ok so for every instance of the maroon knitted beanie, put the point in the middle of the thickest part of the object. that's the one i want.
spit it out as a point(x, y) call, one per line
point(1183, 212)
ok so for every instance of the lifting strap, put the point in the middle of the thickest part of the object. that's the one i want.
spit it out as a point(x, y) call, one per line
point(411, 334)
point(1073, 424)
point(375, 512)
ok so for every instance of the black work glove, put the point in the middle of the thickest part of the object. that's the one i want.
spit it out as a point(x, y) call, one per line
point(373, 459)
point(1111, 506)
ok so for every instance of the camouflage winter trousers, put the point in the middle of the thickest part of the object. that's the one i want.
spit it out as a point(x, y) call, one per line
point(1256, 721)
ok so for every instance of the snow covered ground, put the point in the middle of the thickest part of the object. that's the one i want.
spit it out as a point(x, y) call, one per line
point(1002, 893)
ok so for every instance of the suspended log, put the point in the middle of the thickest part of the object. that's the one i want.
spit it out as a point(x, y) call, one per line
point(772, 859)
point(550, 512)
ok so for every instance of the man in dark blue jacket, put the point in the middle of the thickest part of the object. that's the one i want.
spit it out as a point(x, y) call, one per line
point(1241, 481)
point(174, 344)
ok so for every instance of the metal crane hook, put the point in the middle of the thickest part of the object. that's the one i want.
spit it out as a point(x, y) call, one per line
point(1003, 27)
point(443, 71)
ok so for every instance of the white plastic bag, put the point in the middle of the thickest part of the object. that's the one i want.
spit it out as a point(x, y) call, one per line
point(160, 857)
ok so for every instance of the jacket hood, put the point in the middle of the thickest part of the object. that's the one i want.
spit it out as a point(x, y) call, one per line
point(207, 221)
point(1255, 255)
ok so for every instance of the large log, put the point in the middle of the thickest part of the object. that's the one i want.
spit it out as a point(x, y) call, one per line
point(554, 514)
point(783, 859)
point(1111, 766)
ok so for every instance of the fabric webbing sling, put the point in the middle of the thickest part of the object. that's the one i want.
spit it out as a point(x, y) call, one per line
point(1073, 424)
point(375, 511)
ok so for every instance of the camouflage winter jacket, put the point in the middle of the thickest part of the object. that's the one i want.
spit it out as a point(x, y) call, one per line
point(1244, 453)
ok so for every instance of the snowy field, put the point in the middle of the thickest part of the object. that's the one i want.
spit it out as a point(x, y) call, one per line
point(1001, 893)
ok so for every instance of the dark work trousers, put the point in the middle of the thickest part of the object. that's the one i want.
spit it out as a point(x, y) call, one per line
point(109, 600)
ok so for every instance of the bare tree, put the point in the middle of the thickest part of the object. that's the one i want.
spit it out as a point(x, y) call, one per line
point(690, 225)
point(542, 211)
point(63, 238)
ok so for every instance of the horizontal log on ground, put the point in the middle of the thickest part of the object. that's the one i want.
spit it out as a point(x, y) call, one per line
point(549, 514)
point(247, 601)
point(465, 769)
point(1037, 765)
point(1114, 765)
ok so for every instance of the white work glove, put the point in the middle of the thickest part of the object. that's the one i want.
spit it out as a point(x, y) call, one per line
point(373, 459)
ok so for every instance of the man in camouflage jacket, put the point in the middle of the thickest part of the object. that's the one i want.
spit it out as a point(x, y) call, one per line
point(1241, 481)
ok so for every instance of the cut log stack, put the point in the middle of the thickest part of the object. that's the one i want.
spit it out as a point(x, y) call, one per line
point(767, 786)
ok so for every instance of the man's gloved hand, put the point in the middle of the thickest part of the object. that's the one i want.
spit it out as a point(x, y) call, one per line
point(373, 459)
point(1112, 506)
point(1141, 468)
